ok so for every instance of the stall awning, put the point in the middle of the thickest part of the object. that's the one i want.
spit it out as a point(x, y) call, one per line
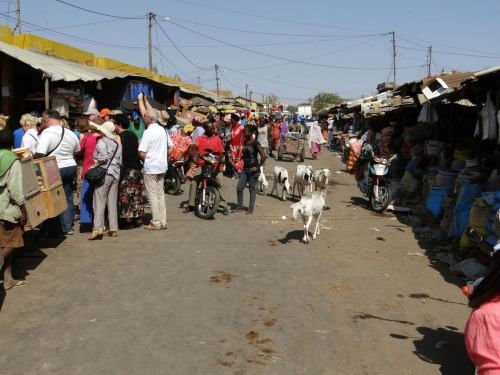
point(60, 69)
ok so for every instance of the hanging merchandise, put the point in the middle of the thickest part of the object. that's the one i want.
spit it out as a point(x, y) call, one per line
point(428, 114)
point(61, 105)
point(487, 119)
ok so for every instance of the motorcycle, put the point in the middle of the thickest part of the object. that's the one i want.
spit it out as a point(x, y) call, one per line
point(375, 185)
point(174, 177)
point(208, 190)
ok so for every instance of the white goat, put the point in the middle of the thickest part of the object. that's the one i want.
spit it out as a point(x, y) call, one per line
point(304, 177)
point(280, 175)
point(262, 182)
point(311, 205)
point(321, 177)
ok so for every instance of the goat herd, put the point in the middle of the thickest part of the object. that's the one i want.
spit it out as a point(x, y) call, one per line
point(311, 202)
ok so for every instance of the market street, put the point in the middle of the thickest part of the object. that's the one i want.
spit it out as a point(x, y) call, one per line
point(240, 295)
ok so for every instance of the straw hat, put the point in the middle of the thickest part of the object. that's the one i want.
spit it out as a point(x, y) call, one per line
point(163, 117)
point(108, 128)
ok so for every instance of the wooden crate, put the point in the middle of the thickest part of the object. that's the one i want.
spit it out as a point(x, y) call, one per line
point(30, 182)
point(54, 200)
point(36, 210)
point(47, 172)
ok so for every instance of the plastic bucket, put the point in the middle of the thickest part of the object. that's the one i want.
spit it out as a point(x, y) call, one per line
point(435, 198)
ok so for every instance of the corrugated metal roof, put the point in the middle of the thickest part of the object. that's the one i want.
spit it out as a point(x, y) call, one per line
point(60, 69)
point(453, 81)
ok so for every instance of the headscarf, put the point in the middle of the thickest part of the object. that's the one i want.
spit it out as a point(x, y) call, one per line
point(315, 134)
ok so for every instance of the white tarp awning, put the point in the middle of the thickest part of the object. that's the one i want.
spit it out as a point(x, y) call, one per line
point(60, 69)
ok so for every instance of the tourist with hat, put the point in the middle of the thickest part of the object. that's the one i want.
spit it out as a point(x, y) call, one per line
point(107, 154)
point(105, 114)
point(92, 114)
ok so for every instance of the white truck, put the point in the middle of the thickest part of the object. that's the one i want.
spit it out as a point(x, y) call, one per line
point(304, 110)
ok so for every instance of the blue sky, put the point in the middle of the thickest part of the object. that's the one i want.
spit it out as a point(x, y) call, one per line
point(293, 49)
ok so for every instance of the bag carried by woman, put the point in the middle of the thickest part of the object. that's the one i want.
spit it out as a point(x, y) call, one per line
point(96, 175)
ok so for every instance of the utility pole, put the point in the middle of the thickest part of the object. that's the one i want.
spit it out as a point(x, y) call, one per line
point(217, 78)
point(250, 99)
point(394, 54)
point(199, 82)
point(430, 59)
point(19, 16)
point(246, 93)
point(150, 22)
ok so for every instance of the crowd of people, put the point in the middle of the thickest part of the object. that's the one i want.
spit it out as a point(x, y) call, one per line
point(116, 165)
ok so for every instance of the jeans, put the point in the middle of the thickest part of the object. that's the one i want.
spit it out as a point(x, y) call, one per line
point(251, 178)
point(153, 185)
point(68, 216)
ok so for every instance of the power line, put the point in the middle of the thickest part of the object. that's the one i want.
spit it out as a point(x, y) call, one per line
point(451, 53)
point(258, 45)
point(222, 74)
point(277, 34)
point(284, 58)
point(444, 45)
point(101, 14)
point(76, 37)
point(272, 18)
point(313, 57)
point(177, 48)
point(82, 24)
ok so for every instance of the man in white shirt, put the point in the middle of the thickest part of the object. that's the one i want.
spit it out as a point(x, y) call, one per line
point(61, 143)
point(153, 150)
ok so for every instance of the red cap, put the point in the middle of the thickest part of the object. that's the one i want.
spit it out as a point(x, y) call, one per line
point(104, 112)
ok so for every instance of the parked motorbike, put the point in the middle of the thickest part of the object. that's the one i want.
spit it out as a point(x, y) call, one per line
point(375, 185)
point(208, 190)
point(174, 177)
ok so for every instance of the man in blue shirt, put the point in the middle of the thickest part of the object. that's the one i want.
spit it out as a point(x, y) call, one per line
point(19, 134)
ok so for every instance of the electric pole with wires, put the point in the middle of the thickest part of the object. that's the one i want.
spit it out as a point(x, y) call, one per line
point(217, 77)
point(19, 16)
point(150, 44)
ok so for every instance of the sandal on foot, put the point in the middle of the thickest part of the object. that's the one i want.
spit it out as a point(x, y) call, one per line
point(19, 284)
point(96, 235)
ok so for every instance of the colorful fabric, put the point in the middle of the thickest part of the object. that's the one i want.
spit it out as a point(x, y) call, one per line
point(236, 146)
point(86, 203)
point(213, 143)
point(356, 147)
point(482, 337)
point(181, 145)
point(354, 165)
point(284, 131)
point(315, 135)
point(276, 131)
point(88, 145)
point(130, 193)
point(315, 149)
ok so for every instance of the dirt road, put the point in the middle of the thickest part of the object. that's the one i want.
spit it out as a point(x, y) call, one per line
point(240, 295)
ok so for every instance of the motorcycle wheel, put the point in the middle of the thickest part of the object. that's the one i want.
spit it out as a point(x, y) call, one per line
point(385, 199)
point(172, 185)
point(207, 210)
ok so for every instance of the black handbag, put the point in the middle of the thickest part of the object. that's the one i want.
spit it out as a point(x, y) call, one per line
point(95, 176)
